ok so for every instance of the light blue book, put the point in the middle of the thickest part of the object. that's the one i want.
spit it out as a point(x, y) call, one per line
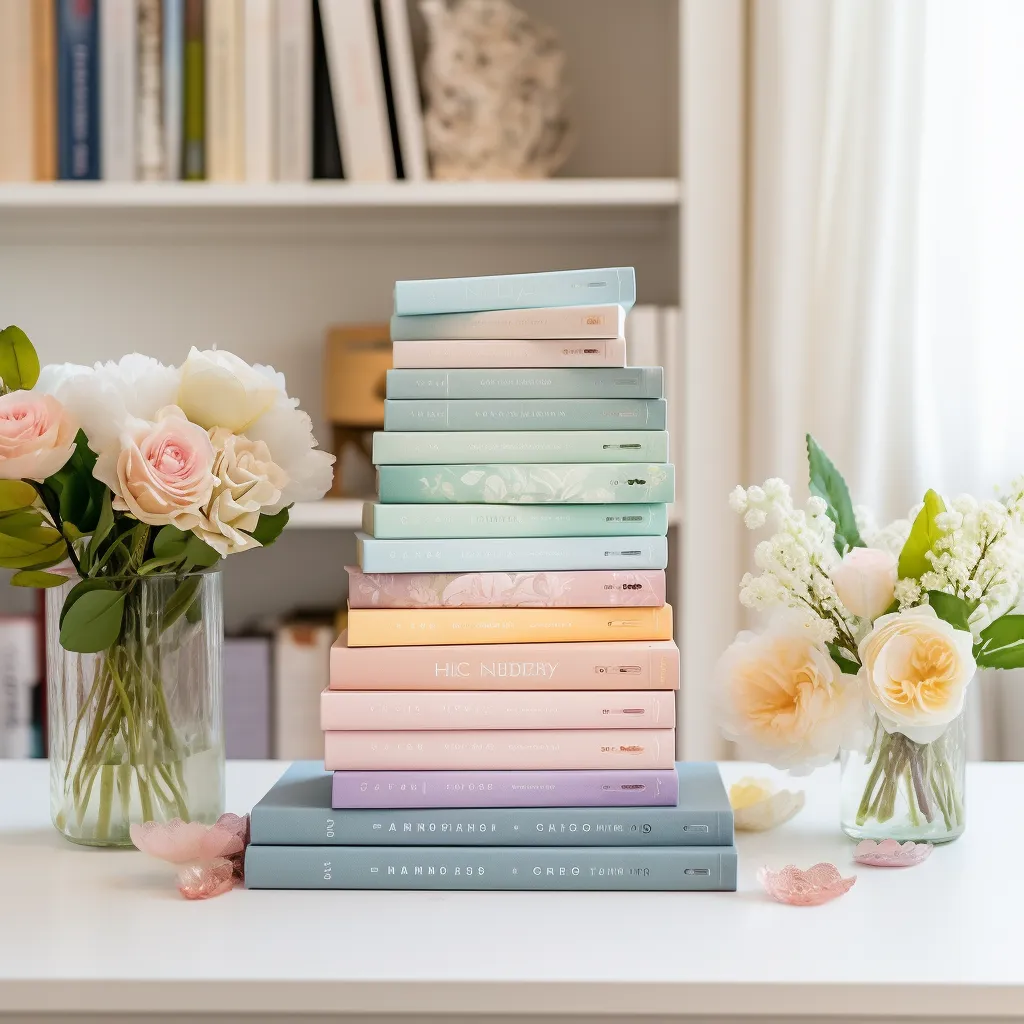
point(502, 446)
point(408, 522)
point(564, 382)
point(526, 414)
point(655, 868)
point(511, 554)
point(517, 291)
point(521, 484)
point(173, 85)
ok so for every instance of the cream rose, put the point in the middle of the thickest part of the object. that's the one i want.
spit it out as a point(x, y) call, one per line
point(916, 670)
point(218, 389)
point(37, 436)
point(247, 481)
point(865, 581)
point(784, 700)
point(163, 472)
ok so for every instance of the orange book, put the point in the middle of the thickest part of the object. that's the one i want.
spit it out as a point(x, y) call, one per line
point(44, 88)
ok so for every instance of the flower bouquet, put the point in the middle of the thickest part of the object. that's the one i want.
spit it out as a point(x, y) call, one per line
point(874, 638)
point(122, 486)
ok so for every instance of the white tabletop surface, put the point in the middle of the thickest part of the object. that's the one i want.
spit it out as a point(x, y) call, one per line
point(96, 931)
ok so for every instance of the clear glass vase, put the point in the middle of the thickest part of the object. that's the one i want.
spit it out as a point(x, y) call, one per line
point(136, 731)
point(899, 789)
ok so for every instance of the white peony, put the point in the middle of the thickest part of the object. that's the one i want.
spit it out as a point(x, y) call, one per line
point(220, 390)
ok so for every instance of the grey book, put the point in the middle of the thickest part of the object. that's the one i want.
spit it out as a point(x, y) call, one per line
point(658, 869)
point(297, 811)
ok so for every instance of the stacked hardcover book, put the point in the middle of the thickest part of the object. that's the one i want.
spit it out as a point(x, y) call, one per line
point(508, 642)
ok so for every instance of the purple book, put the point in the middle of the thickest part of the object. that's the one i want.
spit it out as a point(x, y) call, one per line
point(604, 788)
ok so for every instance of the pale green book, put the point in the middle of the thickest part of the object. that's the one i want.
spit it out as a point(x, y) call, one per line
point(535, 484)
point(411, 522)
point(564, 382)
point(526, 414)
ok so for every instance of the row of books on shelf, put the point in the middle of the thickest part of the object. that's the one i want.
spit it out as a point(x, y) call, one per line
point(221, 90)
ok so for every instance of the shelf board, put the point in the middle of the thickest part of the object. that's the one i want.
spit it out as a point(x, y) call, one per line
point(554, 192)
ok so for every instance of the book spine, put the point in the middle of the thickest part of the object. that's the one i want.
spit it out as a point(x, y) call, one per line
point(406, 90)
point(194, 101)
point(528, 484)
point(620, 665)
point(440, 354)
point(345, 711)
point(517, 291)
point(596, 589)
point(628, 382)
point(466, 522)
point(78, 90)
point(294, 91)
point(654, 869)
point(259, 90)
point(17, 83)
point(357, 87)
point(44, 89)
point(566, 322)
point(326, 149)
point(419, 789)
point(19, 675)
point(499, 750)
point(118, 89)
point(174, 87)
point(225, 108)
point(501, 414)
point(150, 160)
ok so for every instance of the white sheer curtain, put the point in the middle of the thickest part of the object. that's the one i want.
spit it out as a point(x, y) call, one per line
point(886, 306)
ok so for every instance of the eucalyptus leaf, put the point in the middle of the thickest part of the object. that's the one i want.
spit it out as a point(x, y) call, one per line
point(19, 364)
point(104, 524)
point(16, 494)
point(950, 608)
point(268, 528)
point(79, 590)
point(828, 484)
point(923, 535)
point(180, 601)
point(93, 622)
point(170, 542)
point(199, 553)
point(37, 578)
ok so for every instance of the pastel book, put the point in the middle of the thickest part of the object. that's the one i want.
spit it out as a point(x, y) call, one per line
point(583, 382)
point(482, 353)
point(598, 665)
point(366, 710)
point(528, 484)
point(557, 322)
point(537, 414)
point(599, 588)
point(651, 869)
point(301, 810)
point(397, 448)
point(381, 627)
point(517, 291)
point(499, 749)
point(395, 522)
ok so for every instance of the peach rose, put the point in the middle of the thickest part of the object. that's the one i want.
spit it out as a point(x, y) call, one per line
point(916, 668)
point(37, 436)
point(865, 581)
point(784, 700)
point(164, 471)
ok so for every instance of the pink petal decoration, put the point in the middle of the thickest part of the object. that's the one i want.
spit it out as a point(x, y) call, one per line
point(201, 882)
point(891, 854)
point(816, 885)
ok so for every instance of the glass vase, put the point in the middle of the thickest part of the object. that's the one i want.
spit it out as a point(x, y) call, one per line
point(898, 789)
point(136, 731)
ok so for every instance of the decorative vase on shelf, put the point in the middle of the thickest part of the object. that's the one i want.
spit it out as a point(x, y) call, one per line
point(135, 729)
point(899, 788)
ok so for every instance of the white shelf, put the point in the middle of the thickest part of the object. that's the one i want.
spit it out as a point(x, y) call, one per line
point(556, 192)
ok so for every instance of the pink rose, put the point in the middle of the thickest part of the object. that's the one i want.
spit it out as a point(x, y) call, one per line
point(164, 471)
point(865, 581)
point(37, 436)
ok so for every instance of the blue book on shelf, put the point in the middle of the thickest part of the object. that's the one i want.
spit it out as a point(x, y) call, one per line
point(517, 291)
point(78, 90)
point(561, 382)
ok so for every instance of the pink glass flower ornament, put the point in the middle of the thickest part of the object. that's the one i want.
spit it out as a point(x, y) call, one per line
point(891, 854)
point(816, 885)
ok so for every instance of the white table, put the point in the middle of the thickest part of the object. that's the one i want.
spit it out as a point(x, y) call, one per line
point(91, 932)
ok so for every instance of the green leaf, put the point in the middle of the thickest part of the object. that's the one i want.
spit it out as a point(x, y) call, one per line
point(19, 522)
point(950, 609)
point(268, 528)
point(15, 494)
point(1001, 644)
point(923, 534)
point(37, 578)
point(180, 601)
point(827, 483)
point(79, 590)
point(104, 524)
point(170, 542)
point(199, 553)
point(846, 665)
point(19, 364)
point(80, 494)
point(93, 622)
point(30, 540)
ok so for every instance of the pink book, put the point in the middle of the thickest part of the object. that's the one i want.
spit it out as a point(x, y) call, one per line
point(485, 354)
point(597, 665)
point(499, 750)
point(602, 588)
point(352, 711)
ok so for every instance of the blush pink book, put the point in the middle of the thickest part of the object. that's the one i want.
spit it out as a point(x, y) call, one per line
point(499, 751)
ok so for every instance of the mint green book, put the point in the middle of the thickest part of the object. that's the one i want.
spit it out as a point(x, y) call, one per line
point(502, 446)
point(555, 382)
point(412, 522)
point(526, 414)
point(535, 484)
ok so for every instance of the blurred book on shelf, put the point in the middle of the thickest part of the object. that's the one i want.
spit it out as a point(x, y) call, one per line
point(20, 687)
point(248, 690)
